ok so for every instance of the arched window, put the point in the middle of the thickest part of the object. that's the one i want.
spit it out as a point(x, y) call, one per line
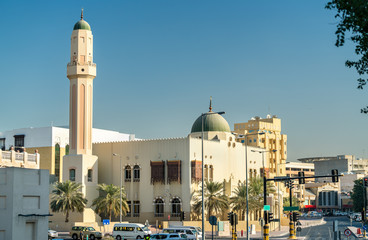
point(211, 173)
point(136, 173)
point(159, 207)
point(67, 149)
point(205, 172)
point(57, 161)
point(89, 175)
point(72, 174)
point(128, 174)
point(175, 207)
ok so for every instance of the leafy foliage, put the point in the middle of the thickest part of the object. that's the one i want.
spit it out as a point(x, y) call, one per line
point(286, 201)
point(109, 200)
point(357, 195)
point(352, 16)
point(215, 201)
point(255, 196)
point(66, 197)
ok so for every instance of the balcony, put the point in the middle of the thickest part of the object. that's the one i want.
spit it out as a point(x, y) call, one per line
point(16, 159)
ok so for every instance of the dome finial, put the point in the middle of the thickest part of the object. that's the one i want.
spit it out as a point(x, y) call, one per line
point(210, 103)
point(82, 14)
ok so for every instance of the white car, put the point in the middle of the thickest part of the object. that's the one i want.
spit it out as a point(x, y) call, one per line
point(169, 236)
point(52, 234)
point(130, 231)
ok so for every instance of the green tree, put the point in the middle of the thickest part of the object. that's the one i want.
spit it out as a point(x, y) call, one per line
point(286, 201)
point(215, 201)
point(239, 200)
point(255, 193)
point(352, 16)
point(108, 202)
point(357, 195)
point(66, 197)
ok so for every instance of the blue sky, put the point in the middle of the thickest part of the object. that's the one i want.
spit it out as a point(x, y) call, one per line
point(159, 61)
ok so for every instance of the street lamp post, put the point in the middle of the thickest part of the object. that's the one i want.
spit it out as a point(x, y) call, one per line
point(121, 193)
point(266, 227)
point(202, 136)
point(246, 175)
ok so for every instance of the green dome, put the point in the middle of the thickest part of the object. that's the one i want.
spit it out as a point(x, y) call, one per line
point(211, 123)
point(82, 25)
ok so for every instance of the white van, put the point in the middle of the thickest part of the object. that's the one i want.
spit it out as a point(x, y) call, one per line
point(129, 231)
point(192, 234)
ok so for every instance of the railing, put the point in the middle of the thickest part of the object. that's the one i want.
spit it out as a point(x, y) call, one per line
point(19, 157)
point(6, 156)
point(32, 158)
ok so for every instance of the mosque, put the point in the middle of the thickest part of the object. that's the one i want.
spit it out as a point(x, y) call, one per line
point(159, 175)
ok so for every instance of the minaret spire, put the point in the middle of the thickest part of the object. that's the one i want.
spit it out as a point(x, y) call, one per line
point(211, 104)
point(82, 14)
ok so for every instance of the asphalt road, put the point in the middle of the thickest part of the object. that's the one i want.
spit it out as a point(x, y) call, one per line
point(325, 231)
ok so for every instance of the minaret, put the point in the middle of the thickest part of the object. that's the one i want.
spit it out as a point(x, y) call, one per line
point(80, 165)
point(81, 72)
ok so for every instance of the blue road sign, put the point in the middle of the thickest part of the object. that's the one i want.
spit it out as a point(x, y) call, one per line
point(365, 227)
point(106, 222)
point(213, 220)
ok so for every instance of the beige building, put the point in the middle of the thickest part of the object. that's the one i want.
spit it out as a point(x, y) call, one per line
point(266, 134)
point(292, 170)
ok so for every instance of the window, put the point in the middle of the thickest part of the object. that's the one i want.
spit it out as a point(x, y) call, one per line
point(136, 208)
point(129, 212)
point(158, 172)
point(174, 171)
point(72, 175)
point(205, 170)
point(128, 174)
point(159, 207)
point(175, 207)
point(19, 142)
point(57, 161)
point(67, 149)
point(2, 144)
point(89, 175)
point(211, 173)
point(136, 173)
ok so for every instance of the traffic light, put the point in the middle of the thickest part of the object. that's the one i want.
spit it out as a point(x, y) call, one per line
point(365, 181)
point(182, 216)
point(265, 217)
point(235, 219)
point(270, 217)
point(301, 179)
point(295, 216)
point(335, 173)
point(230, 218)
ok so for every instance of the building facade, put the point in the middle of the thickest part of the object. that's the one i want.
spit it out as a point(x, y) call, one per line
point(24, 203)
point(52, 143)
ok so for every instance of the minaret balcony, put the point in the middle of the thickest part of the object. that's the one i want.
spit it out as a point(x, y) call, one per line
point(76, 68)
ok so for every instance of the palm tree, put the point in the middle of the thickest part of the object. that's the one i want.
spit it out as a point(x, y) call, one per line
point(255, 197)
point(215, 200)
point(109, 200)
point(67, 197)
point(239, 200)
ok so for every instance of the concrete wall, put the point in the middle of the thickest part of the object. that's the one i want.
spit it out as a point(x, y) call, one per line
point(24, 192)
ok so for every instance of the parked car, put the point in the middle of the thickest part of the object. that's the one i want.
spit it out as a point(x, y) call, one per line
point(169, 236)
point(130, 231)
point(52, 234)
point(92, 234)
point(192, 234)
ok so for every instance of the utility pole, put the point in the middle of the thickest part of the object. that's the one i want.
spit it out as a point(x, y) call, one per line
point(291, 223)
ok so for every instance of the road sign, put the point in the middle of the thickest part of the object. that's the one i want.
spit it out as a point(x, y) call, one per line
point(266, 207)
point(365, 227)
point(106, 222)
point(213, 220)
point(298, 223)
point(298, 229)
point(347, 232)
point(276, 220)
point(294, 208)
